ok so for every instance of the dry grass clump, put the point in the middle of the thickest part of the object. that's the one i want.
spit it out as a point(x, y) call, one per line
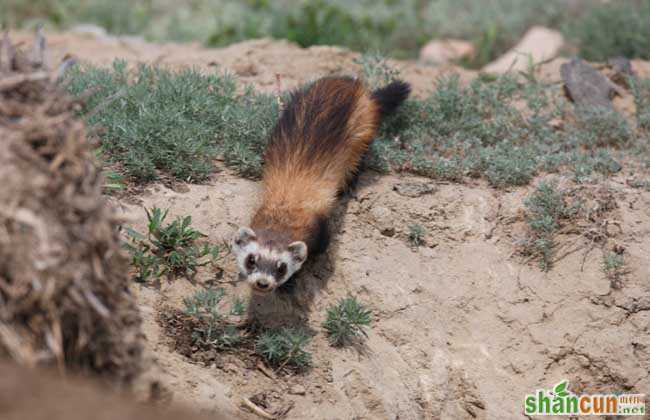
point(64, 298)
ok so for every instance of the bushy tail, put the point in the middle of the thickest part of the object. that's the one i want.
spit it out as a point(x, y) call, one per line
point(391, 96)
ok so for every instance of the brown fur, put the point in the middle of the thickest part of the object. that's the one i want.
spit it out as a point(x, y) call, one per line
point(314, 150)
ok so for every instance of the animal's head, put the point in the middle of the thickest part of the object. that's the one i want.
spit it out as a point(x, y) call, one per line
point(266, 265)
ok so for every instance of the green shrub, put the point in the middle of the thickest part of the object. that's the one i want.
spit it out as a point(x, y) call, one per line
point(346, 321)
point(613, 266)
point(284, 347)
point(168, 249)
point(211, 328)
point(545, 207)
point(416, 235)
point(156, 120)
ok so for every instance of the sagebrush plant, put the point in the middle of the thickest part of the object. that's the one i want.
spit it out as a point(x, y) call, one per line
point(545, 207)
point(171, 249)
point(284, 347)
point(212, 329)
point(613, 266)
point(416, 235)
point(346, 321)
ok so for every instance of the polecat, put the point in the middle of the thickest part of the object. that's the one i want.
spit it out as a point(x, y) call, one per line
point(314, 150)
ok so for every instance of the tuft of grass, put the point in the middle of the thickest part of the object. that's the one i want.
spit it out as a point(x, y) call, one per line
point(168, 249)
point(113, 181)
point(284, 347)
point(641, 90)
point(346, 321)
point(612, 29)
point(417, 232)
point(613, 266)
point(546, 206)
point(211, 329)
point(601, 127)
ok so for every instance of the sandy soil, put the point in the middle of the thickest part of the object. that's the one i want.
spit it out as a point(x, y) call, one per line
point(463, 326)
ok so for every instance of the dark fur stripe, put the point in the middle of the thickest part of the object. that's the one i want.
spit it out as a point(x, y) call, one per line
point(320, 238)
point(391, 96)
point(315, 116)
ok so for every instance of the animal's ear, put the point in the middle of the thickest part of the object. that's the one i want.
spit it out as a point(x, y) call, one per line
point(245, 235)
point(298, 251)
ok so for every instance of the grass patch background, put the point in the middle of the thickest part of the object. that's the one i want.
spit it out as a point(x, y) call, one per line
point(397, 28)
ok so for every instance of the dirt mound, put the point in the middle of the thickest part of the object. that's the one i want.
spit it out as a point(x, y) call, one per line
point(53, 398)
point(63, 285)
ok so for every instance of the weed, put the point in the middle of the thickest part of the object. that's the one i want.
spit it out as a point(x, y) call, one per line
point(545, 207)
point(613, 266)
point(284, 347)
point(211, 329)
point(114, 181)
point(238, 306)
point(346, 321)
point(641, 90)
point(598, 126)
point(416, 235)
point(168, 249)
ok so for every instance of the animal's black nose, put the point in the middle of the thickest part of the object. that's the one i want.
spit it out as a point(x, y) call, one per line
point(262, 284)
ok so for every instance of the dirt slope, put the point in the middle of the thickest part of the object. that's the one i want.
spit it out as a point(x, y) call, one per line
point(464, 326)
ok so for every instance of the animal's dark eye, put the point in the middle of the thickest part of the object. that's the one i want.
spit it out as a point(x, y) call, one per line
point(250, 261)
point(282, 269)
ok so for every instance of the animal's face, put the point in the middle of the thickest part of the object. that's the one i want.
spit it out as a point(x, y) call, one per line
point(263, 267)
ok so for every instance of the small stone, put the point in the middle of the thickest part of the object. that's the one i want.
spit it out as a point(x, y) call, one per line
point(539, 44)
point(413, 189)
point(443, 51)
point(297, 390)
point(382, 217)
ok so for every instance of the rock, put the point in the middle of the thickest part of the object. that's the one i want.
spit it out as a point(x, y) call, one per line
point(90, 29)
point(585, 86)
point(414, 189)
point(539, 44)
point(442, 51)
point(297, 390)
point(383, 220)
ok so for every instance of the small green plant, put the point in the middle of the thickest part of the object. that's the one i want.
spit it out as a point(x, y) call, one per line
point(212, 329)
point(238, 306)
point(346, 321)
point(168, 249)
point(113, 181)
point(284, 347)
point(545, 207)
point(417, 232)
point(641, 90)
point(613, 266)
